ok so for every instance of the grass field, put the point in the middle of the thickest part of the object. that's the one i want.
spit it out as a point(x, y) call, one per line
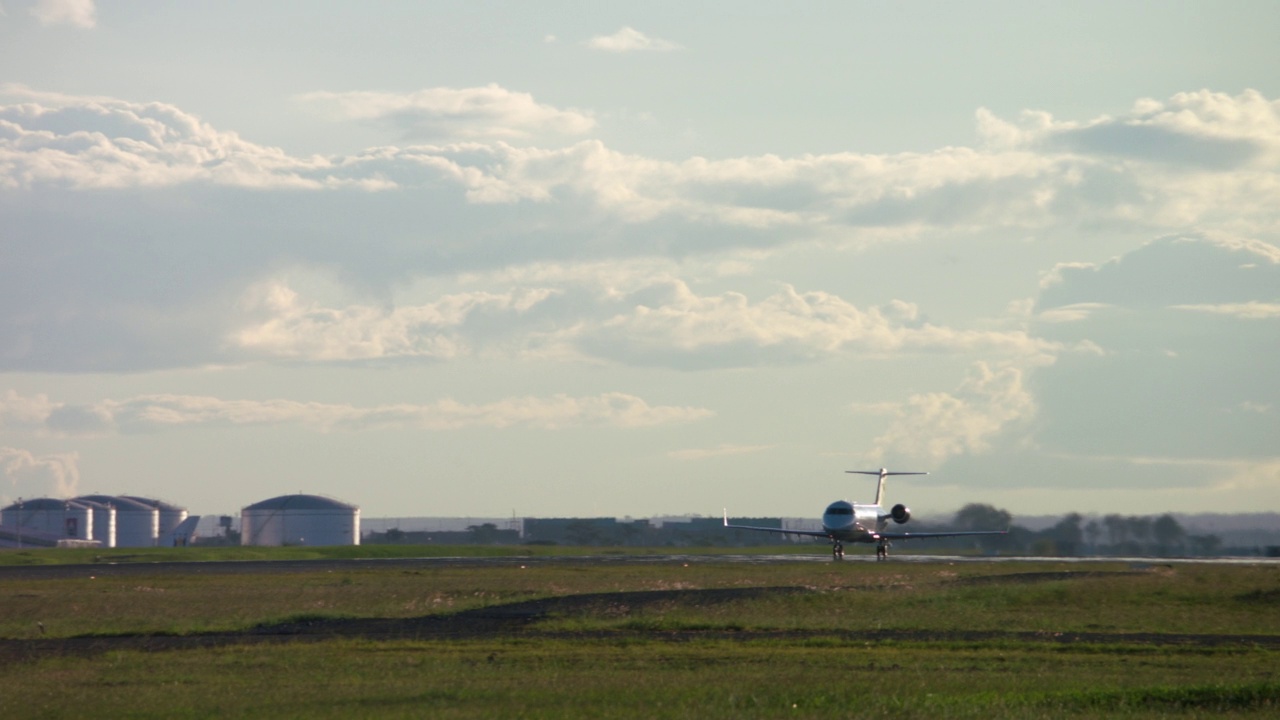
point(707, 639)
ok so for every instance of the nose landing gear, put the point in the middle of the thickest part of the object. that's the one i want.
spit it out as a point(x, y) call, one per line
point(837, 550)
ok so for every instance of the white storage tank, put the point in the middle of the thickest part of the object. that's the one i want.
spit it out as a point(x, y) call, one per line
point(104, 523)
point(171, 516)
point(137, 524)
point(60, 518)
point(300, 520)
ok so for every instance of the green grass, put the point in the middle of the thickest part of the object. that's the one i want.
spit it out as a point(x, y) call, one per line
point(644, 678)
point(796, 654)
point(1191, 599)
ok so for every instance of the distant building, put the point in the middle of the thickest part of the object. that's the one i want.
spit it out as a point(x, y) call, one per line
point(300, 520)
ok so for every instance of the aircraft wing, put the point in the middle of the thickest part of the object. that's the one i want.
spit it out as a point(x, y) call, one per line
point(809, 533)
point(910, 535)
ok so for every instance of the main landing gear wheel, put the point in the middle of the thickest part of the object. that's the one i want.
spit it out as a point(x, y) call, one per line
point(837, 551)
point(882, 550)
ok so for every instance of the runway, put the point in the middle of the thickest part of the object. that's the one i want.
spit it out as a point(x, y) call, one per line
point(128, 569)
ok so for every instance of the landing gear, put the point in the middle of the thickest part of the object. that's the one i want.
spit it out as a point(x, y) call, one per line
point(837, 550)
point(882, 549)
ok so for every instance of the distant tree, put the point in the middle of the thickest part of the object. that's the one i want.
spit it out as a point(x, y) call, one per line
point(1168, 534)
point(1204, 544)
point(486, 534)
point(1067, 535)
point(1117, 530)
point(977, 516)
point(1140, 529)
point(1091, 531)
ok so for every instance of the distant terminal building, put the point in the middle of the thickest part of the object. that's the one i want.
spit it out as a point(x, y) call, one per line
point(137, 523)
point(300, 520)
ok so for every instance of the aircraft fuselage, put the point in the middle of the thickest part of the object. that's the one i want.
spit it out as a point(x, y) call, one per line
point(850, 522)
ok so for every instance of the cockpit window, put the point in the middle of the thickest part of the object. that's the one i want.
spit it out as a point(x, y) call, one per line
point(839, 510)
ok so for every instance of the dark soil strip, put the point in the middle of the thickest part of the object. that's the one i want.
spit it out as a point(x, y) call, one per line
point(1035, 577)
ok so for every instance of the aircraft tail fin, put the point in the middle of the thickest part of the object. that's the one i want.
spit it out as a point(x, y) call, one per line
point(883, 473)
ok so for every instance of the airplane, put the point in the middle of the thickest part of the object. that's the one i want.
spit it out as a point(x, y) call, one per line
point(844, 522)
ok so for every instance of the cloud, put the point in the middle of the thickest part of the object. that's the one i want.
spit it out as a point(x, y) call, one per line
point(152, 413)
point(629, 39)
point(1248, 310)
point(454, 113)
point(1185, 324)
point(103, 143)
point(433, 331)
point(1183, 270)
point(30, 475)
point(80, 13)
point(657, 321)
point(133, 229)
point(669, 324)
point(933, 427)
point(18, 412)
point(1196, 129)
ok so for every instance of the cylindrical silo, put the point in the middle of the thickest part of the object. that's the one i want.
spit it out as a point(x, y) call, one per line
point(137, 524)
point(300, 520)
point(171, 516)
point(57, 518)
point(104, 522)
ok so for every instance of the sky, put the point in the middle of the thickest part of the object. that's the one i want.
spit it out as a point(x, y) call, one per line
point(608, 259)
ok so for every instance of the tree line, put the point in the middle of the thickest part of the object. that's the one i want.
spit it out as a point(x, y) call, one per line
point(1114, 534)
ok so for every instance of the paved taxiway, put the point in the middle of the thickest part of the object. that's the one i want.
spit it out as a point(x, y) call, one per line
point(107, 570)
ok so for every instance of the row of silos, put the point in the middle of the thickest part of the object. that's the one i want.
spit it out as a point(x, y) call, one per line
point(131, 521)
point(111, 520)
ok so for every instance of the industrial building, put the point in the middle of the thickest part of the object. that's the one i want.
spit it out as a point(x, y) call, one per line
point(300, 520)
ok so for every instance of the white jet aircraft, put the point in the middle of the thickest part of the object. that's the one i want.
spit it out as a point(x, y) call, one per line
point(845, 522)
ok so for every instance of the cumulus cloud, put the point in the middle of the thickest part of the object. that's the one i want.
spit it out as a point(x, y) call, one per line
point(151, 413)
point(1186, 324)
point(80, 13)
point(132, 227)
point(668, 323)
point(434, 331)
point(18, 412)
point(57, 475)
point(659, 321)
point(1198, 129)
point(932, 427)
point(1184, 271)
point(99, 143)
point(628, 39)
point(448, 113)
